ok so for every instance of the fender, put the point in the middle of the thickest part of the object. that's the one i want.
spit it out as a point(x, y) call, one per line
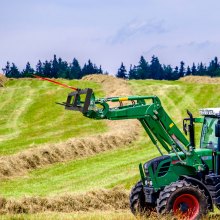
point(201, 185)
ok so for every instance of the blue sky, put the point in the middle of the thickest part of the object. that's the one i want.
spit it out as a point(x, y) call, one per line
point(109, 32)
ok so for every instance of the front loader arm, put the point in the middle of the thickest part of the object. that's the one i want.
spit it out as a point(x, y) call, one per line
point(147, 109)
point(156, 122)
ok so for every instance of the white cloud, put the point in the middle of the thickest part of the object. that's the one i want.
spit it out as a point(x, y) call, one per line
point(136, 29)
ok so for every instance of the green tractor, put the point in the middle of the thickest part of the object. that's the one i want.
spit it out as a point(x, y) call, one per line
point(184, 181)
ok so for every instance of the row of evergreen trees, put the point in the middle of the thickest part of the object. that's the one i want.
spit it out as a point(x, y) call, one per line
point(155, 70)
point(55, 68)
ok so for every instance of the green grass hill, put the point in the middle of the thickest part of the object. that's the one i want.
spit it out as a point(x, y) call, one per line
point(30, 118)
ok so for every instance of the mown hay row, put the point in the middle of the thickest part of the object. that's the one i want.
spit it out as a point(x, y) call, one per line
point(102, 200)
point(112, 86)
point(201, 79)
point(3, 79)
point(30, 159)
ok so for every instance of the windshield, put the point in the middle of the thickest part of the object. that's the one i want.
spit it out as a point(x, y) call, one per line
point(208, 138)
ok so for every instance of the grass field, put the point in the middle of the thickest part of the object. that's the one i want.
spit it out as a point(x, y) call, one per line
point(118, 167)
point(178, 96)
point(29, 115)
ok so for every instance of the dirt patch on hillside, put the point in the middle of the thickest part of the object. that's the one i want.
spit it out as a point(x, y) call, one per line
point(120, 133)
point(102, 200)
point(201, 79)
point(3, 79)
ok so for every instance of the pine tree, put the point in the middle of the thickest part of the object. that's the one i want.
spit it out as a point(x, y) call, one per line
point(63, 69)
point(28, 71)
point(7, 70)
point(213, 67)
point(217, 72)
point(188, 71)
point(100, 70)
point(168, 72)
point(193, 70)
point(156, 69)
point(88, 68)
point(75, 70)
point(96, 70)
point(201, 69)
point(122, 72)
point(143, 69)
point(182, 69)
point(14, 71)
point(216, 64)
point(175, 74)
point(39, 68)
point(54, 67)
point(47, 70)
point(133, 73)
point(84, 70)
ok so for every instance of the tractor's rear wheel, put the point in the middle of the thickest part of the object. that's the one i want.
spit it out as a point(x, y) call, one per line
point(138, 205)
point(183, 200)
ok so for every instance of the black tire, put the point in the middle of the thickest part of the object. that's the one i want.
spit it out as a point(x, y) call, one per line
point(183, 200)
point(138, 205)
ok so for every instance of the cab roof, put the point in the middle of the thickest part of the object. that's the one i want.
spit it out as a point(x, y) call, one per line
point(210, 111)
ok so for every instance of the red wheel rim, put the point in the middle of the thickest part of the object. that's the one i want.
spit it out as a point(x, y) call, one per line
point(186, 206)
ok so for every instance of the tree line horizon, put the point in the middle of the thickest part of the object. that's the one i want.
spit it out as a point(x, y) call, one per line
point(58, 68)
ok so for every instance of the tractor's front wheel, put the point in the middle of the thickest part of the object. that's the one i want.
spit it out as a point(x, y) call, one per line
point(138, 205)
point(183, 200)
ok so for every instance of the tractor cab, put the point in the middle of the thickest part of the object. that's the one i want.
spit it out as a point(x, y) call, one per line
point(210, 128)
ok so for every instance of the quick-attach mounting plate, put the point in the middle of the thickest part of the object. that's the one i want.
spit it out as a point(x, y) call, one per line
point(74, 100)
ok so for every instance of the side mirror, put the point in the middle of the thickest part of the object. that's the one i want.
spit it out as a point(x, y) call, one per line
point(217, 129)
point(185, 125)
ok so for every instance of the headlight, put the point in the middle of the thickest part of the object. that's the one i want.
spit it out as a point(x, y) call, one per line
point(148, 183)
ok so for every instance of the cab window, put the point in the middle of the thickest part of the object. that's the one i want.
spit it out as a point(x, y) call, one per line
point(208, 138)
